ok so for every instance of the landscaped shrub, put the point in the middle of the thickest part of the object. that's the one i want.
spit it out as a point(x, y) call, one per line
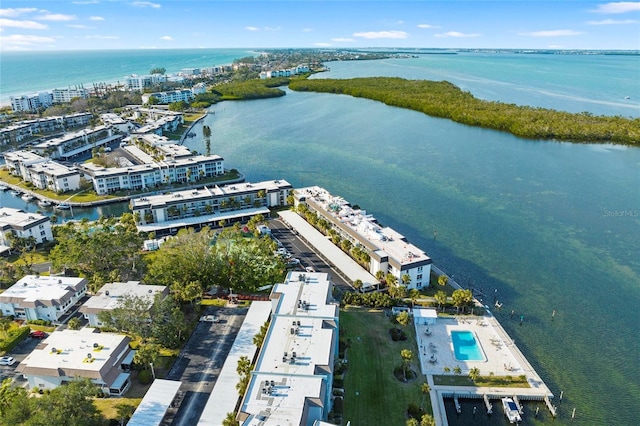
point(14, 337)
point(415, 411)
point(338, 405)
point(338, 392)
point(39, 322)
point(144, 377)
point(397, 334)
point(340, 368)
point(338, 382)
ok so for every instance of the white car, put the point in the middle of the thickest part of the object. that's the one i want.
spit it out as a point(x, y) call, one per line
point(7, 360)
point(210, 318)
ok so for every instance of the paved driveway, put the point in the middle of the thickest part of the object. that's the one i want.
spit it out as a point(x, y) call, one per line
point(201, 360)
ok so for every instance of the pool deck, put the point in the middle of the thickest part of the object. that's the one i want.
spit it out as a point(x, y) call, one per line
point(503, 358)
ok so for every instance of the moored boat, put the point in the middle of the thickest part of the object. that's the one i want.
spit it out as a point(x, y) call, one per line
point(28, 197)
point(15, 192)
point(511, 410)
point(63, 206)
point(44, 203)
point(3, 188)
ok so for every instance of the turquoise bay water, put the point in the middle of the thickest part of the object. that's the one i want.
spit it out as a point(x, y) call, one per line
point(544, 225)
point(465, 346)
point(28, 72)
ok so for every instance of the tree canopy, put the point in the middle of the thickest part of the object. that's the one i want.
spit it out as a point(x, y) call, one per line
point(445, 100)
point(104, 251)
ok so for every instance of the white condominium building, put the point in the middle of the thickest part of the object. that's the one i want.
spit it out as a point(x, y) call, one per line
point(138, 83)
point(42, 298)
point(66, 95)
point(389, 251)
point(73, 144)
point(21, 224)
point(42, 172)
point(168, 212)
point(31, 103)
point(185, 95)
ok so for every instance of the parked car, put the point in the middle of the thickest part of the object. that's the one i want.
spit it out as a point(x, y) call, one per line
point(7, 360)
point(38, 334)
point(210, 318)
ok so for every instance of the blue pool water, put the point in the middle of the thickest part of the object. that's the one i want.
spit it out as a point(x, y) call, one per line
point(465, 346)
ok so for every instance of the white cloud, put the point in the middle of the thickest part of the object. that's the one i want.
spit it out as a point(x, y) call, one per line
point(614, 22)
point(56, 17)
point(96, 18)
point(101, 37)
point(12, 13)
point(551, 33)
point(272, 28)
point(618, 7)
point(382, 34)
point(166, 38)
point(23, 40)
point(252, 28)
point(146, 4)
point(28, 25)
point(80, 26)
point(343, 39)
point(306, 30)
point(427, 26)
point(322, 44)
point(457, 34)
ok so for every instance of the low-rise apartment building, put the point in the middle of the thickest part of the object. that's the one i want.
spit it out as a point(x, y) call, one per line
point(388, 250)
point(137, 83)
point(168, 97)
point(31, 103)
point(21, 130)
point(109, 296)
point(66, 95)
point(293, 377)
point(64, 356)
point(16, 223)
point(73, 144)
point(166, 213)
point(42, 172)
point(42, 298)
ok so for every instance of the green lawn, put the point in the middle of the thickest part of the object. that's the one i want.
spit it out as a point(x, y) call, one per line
point(372, 393)
point(482, 381)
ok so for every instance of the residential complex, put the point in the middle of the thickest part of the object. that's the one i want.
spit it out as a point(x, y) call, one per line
point(300, 69)
point(104, 358)
point(33, 102)
point(110, 295)
point(185, 95)
point(165, 213)
point(66, 95)
point(42, 172)
point(137, 83)
point(293, 376)
point(42, 298)
point(389, 251)
point(21, 224)
point(73, 144)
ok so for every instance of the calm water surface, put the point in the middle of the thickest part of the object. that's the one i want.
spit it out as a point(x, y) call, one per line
point(547, 225)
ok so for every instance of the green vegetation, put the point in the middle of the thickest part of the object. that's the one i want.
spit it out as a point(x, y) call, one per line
point(445, 100)
point(372, 392)
point(251, 89)
point(482, 381)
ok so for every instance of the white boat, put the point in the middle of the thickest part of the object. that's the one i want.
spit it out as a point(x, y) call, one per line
point(63, 206)
point(3, 188)
point(28, 197)
point(44, 203)
point(16, 193)
point(511, 410)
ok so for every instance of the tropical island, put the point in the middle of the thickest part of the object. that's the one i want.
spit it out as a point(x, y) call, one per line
point(445, 100)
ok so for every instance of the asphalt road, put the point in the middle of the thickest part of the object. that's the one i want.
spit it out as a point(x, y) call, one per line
point(308, 257)
point(198, 365)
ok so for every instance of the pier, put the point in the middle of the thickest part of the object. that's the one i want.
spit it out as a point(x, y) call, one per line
point(487, 404)
point(552, 408)
point(457, 404)
point(517, 401)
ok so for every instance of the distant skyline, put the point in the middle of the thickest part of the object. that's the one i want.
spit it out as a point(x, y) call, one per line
point(115, 24)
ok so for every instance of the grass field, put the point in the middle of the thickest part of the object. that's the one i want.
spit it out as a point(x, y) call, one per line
point(372, 394)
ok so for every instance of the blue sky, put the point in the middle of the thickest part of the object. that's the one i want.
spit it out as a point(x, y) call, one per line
point(105, 24)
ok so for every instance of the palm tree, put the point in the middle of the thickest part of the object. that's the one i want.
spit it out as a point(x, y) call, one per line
point(474, 373)
point(391, 279)
point(425, 389)
point(457, 370)
point(406, 279)
point(443, 280)
point(406, 356)
point(357, 284)
point(427, 420)
point(441, 298)
point(447, 370)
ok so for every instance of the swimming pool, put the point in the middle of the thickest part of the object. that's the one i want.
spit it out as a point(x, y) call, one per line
point(466, 347)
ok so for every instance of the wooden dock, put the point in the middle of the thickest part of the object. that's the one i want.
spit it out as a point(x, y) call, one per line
point(552, 408)
point(457, 404)
point(487, 404)
point(517, 401)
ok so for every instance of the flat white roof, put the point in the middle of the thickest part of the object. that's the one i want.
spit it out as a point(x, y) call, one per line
point(46, 290)
point(52, 168)
point(75, 347)
point(69, 137)
point(19, 219)
point(312, 288)
point(224, 397)
point(424, 313)
point(155, 403)
point(387, 240)
point(23, 156)
point(285, 404)
point(108, 297)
